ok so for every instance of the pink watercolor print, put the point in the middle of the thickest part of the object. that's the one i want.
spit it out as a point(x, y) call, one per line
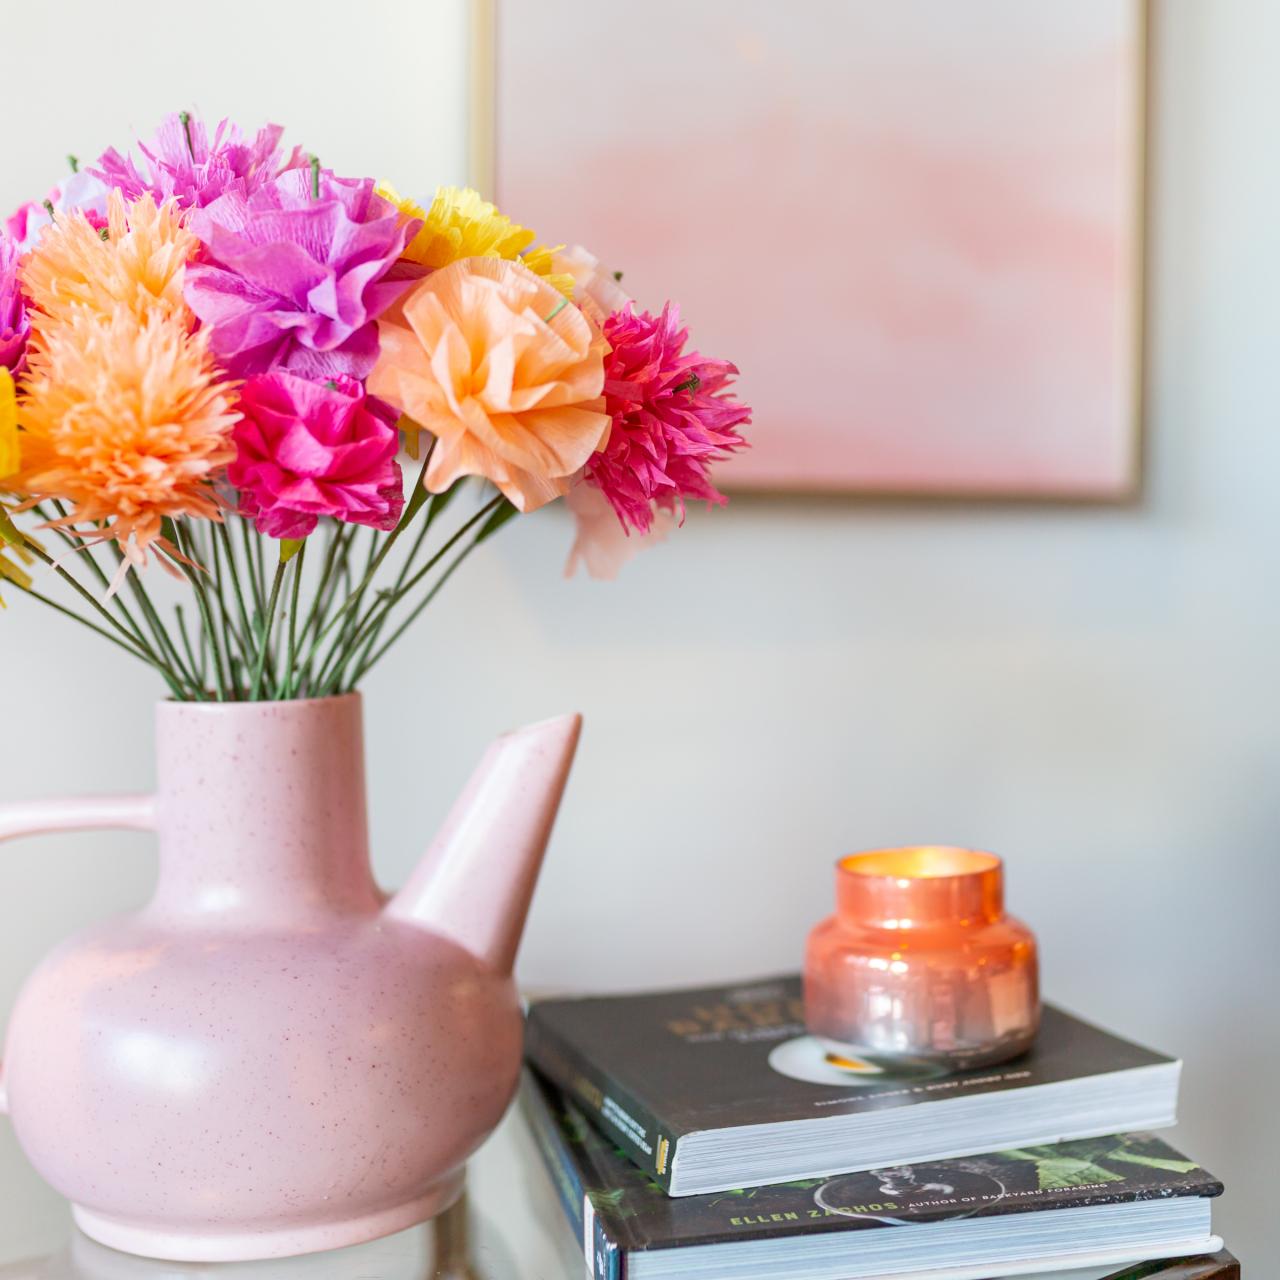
point(913, 223)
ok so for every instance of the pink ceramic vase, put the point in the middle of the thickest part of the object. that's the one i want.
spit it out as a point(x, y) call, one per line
point(271, 1057)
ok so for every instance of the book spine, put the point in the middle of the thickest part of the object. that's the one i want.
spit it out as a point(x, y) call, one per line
point(649, 1143)
point(605, 1260)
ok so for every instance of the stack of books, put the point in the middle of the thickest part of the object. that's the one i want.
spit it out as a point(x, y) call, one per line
point(705, 1134)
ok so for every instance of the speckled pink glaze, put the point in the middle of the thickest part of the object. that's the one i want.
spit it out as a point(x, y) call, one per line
point(271, 1058)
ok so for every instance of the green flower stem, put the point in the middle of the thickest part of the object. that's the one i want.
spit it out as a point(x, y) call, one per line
point(211, 635)
point(193, 572)
point(324, 623)
point(246, 626)
point(290, 667)
point(196, 666)
point(259, 552)
point(85, 594)
point(326, 590)
point(319, 600)
point(485, 511)
point(432, 509)
point(256, 584)
point(386, 602)
point(255, 690)
point(367, 663)
point(417, 499)
point(76, 543)
point(104, 633)
point(343, 646)
point(237, 644)
point(161, 633)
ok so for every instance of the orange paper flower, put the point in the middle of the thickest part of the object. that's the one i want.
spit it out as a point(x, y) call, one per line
point(125, 422)
point(124, 416)
point(503, 371)
point(139, 265)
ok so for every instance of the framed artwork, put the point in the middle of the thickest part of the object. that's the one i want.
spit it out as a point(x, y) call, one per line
point(917, 224)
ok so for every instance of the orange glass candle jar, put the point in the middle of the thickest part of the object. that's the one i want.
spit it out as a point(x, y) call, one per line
point(920, 962)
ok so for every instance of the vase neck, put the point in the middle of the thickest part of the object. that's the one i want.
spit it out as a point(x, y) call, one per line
point(261, 811)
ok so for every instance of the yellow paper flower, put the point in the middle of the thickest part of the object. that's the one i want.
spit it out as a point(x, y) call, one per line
point(503, 371)
point(10, 450)
point(542, 262)
point(461, 223)
point(10, 456)
point(11, 571)
point(139, 265)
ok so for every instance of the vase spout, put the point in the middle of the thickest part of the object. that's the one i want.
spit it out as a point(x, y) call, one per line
point(477, 879)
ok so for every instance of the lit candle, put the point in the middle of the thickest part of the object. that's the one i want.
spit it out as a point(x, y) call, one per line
point(920, 961)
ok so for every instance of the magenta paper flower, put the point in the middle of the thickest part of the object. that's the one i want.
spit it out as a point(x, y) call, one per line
point(308, 449)
point(672, 418)
point(292, 280)
point(182, 164)
point(14, 324)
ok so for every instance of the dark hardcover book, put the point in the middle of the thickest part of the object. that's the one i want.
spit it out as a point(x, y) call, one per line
point(722, 1087)
point(1090, 1203)
point(1217, 1266)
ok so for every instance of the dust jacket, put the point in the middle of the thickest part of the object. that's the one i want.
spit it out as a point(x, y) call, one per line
point(616, 1210)
point(651, 1069)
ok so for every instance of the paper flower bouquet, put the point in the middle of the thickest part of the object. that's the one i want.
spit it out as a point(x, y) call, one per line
point(213, 355)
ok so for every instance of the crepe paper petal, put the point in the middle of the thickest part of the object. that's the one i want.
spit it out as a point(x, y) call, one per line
point(601, 544)
point(672, 417)
point(492, 361)
point(181, 163)
point(291, 280)
point(15, 324)
point(306, 450)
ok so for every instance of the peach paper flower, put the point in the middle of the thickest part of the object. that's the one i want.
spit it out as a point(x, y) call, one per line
point(139, 264)
point(125, 416)
point(126, 422)
point(506, 374)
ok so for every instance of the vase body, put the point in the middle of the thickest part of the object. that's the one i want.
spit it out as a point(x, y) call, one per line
point(265, 1059)
point(920, 966)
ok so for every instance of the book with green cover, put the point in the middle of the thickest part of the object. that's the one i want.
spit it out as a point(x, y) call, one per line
point(1096, 1203)
point(723, 1087)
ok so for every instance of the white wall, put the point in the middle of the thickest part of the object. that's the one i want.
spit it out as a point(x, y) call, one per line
point(1092, 693)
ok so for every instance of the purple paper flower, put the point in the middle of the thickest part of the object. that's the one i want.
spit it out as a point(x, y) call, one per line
point(14, 324)
point(183, 165)
point(291, 279)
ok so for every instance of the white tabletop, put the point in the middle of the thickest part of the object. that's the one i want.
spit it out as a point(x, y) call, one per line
point(510, 1226)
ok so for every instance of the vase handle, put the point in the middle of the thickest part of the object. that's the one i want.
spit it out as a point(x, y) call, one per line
point(84, 813)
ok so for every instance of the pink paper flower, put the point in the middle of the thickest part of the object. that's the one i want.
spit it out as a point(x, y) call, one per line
point(308, 449)
point(596, 290)
point(182, 164)
point(671, 418)
point(83, 192)
point(601, 544)
point(14, 323)
point(294, 280)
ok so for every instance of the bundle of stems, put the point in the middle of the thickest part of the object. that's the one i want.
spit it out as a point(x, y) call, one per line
point(263, 620)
